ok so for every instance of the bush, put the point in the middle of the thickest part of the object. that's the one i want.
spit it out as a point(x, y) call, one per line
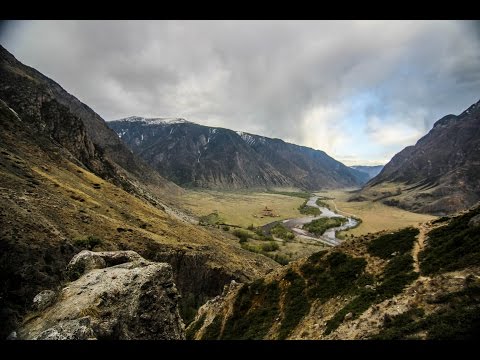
point(241, 234)
point(282, 232)
point(270, 246)
point(401, 242)
point(250, 227)
point(88, 243)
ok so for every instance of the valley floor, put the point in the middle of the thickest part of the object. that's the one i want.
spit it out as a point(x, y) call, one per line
point(375, 215)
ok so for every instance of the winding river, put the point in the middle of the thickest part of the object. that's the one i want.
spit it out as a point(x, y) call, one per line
point(329, 236)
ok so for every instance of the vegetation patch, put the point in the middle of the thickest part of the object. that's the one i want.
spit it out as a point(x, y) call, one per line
point(210, 219)
point(399, 242)
point(453, 246)
point(322, 203)
point(296, 304)
point(308, 210)
point(458, 319)
point(282, 232)
point(397, 274)
point(241, 234)
point(300, 194)
point(254, 311)
point(88, 243)
point(337, 274)
point(319, 226)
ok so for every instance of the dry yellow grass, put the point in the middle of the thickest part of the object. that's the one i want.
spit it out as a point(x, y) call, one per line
point(375, 215)
point(239, 208)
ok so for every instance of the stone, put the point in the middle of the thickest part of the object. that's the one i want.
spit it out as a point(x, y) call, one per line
point(348, 316)
point(132, 300)
point(87, 260)
point(43, 300)
point(474, 221)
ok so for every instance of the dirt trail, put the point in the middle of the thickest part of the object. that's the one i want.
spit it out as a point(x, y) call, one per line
point(419, 245)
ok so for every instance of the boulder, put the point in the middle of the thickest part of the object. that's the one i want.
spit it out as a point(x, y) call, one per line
point(132, 300)
point(87, 260)
point(43, 300)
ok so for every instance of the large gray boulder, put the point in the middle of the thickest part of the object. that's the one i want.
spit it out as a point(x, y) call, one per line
point(136, 299)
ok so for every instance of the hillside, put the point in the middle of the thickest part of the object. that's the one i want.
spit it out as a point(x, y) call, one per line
point(193, 155)
point(372, 171)
point(415, 283)
point(61, 192)
point(439, 174)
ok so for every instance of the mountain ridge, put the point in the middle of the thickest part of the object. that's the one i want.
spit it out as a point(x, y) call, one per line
point(194, 155)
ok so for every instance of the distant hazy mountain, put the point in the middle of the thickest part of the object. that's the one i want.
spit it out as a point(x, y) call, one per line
point(194, 155)
point(372, 171)
point(440, 174)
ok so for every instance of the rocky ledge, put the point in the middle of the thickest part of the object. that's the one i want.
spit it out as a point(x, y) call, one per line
point(115, 295)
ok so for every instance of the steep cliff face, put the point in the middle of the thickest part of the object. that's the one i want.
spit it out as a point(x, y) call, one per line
point(118, 296)
point(440, 174)
point(200, 156)
point(416, 283)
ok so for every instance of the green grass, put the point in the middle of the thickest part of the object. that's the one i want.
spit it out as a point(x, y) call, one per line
point(296, 304)
point(282, 232)
point(241, 234)
point(319, 226)
point(308, 210)
point(300, 194)
point(451, 247)
point(398, 242)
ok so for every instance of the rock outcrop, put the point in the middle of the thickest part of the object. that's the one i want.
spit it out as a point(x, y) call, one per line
point(126, 298)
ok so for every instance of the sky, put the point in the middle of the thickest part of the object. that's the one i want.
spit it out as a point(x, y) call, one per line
point(359, 90)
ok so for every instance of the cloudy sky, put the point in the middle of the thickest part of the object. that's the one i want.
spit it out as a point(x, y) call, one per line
point(359, 90)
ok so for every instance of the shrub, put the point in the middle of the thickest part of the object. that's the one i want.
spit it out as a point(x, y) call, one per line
point(453, 246)
point(296, 304)
point(270, 246)
point(89, 243)
point(241, 234)
point(282, 232)
point(226, 228)
point(401, 242)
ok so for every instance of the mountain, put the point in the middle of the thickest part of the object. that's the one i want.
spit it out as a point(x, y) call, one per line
point(66, 188)
point(415, 283)
point(372, 171)
point(193, 155)
point(440, 174)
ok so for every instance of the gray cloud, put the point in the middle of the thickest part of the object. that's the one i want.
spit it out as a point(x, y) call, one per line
point(295, 80)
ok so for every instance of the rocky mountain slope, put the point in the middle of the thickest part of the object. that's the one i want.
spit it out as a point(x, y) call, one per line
point(113, 296)
point(440, 174)
point(416, 283)
point(193, 155)
point(372, 171)
point(61, 193)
